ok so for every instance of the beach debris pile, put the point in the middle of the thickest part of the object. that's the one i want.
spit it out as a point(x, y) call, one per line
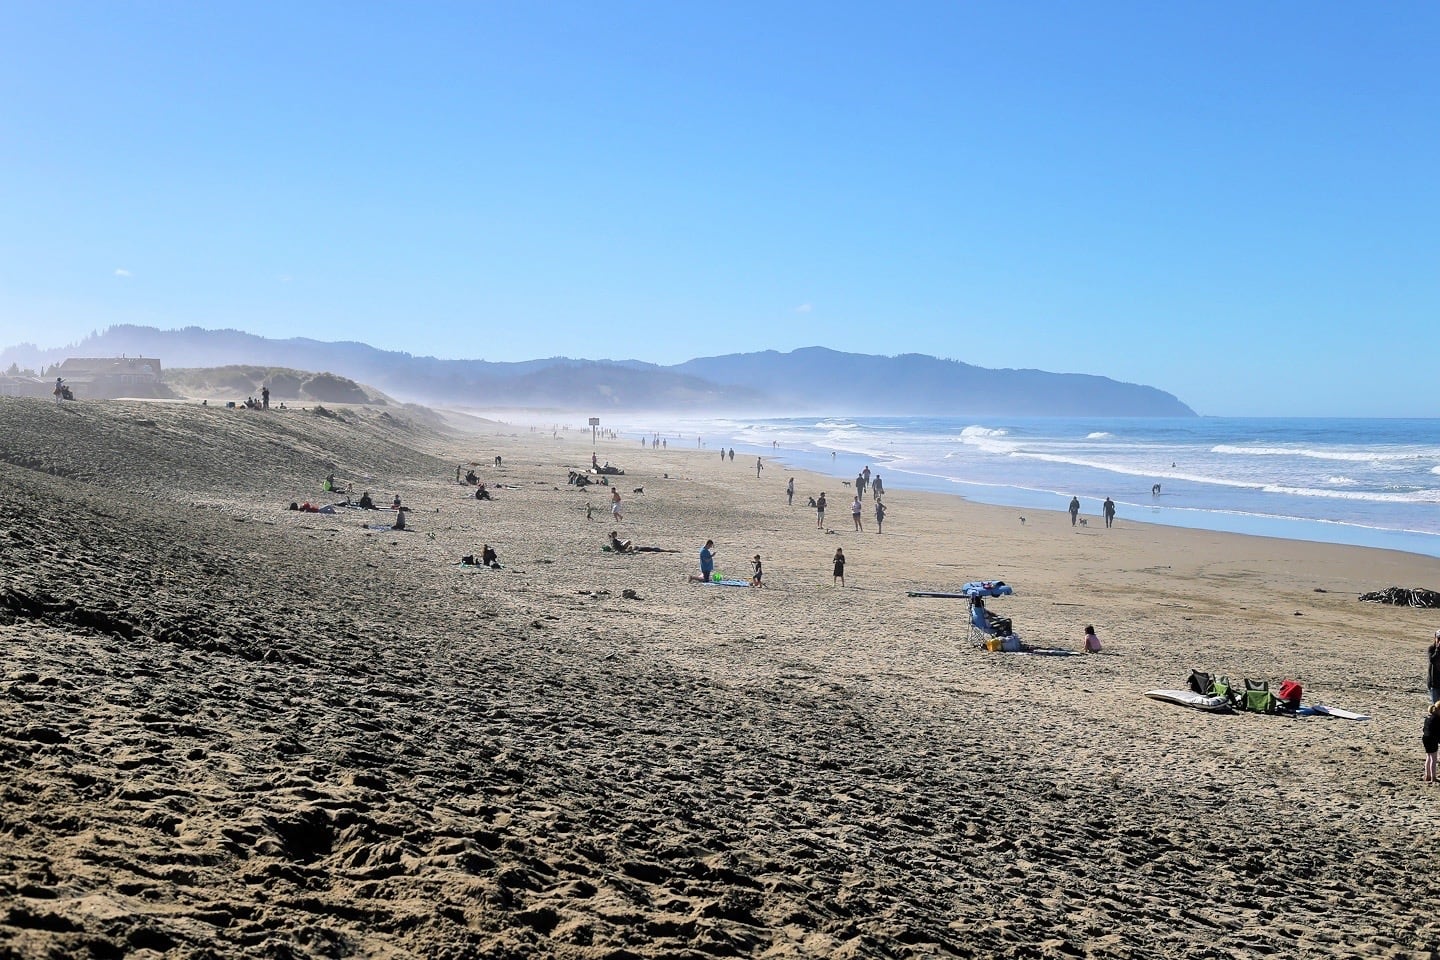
point(1403, 597)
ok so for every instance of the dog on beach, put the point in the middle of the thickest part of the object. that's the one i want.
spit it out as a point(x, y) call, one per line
point(1022, 521)
point(1155, 490)
point(1084, 522)
point(638, 490)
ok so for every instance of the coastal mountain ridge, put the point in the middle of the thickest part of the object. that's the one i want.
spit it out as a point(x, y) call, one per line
point(807, 380)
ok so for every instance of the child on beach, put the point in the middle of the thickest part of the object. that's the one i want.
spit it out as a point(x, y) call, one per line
point(755, 580)
point(1430, 737)
point(839, 566)
point(1092, 642)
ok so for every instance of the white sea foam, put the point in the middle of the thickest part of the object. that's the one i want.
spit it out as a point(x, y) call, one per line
point(1099, 435)
point(1350, 456)
point(1342, 481)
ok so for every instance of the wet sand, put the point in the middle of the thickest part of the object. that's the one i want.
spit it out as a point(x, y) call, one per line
point(229, 729)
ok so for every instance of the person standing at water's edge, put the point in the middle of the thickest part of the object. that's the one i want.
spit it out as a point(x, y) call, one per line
point(1074, 510)
point(757, 467)
point(1109, 511)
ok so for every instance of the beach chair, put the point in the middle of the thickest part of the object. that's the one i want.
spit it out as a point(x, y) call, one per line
point(984, 624)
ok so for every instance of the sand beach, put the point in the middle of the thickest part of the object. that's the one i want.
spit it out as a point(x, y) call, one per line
point(233, 730)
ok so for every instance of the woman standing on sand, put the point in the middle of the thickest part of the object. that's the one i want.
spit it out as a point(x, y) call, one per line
point(1432, 679)
point(1430, 737)
point(839, 566)
point(855, 509)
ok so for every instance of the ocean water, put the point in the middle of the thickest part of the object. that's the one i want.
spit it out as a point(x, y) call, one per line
point(1364, 482)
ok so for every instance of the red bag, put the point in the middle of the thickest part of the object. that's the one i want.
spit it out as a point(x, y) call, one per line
point(1290, 692)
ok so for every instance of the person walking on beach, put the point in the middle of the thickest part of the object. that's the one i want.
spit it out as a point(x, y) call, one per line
point(820, 510)
point(877, 488)
point(1074, 510)
point(615, 503)
point(1109, 511)
point(707, 563)
point(1432, 678)
point(790, 492)
point(839, 566)
point(879, 518)
point(757, 573)
point(757, 468)
point(1430, 737)
point(855, 509)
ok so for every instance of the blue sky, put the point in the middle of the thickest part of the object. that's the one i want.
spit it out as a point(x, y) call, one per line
point(1235, 202)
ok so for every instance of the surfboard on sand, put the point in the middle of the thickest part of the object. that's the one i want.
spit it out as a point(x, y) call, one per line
point(1188, 698)
point(728, 583)
point(936, 593)
point(1320, 710)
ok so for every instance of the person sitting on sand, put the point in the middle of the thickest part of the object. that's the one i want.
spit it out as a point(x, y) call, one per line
point(395, 504)
point(481, 493)
point(399, 523)
point(366, 503)
point(618, 545)
point(1092, 642)
point(470, 477)
point(489, 558)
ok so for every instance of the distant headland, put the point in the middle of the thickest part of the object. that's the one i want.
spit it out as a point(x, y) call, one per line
point(808, 380)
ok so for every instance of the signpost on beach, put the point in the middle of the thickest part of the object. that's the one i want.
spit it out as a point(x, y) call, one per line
point(594, 426)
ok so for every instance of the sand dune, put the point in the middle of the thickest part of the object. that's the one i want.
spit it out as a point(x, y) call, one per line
point(229, 729)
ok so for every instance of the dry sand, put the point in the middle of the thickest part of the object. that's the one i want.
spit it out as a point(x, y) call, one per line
point(228, 729)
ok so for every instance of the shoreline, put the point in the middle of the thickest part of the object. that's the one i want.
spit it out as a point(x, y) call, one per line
point(1301, 529)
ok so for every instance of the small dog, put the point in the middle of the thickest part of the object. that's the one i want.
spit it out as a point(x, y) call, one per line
point(1155, 490)
point(1022, 521)
point(638, 490)
point(1084, 522)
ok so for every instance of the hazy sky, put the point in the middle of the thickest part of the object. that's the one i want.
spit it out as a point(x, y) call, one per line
point(1235, 202)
